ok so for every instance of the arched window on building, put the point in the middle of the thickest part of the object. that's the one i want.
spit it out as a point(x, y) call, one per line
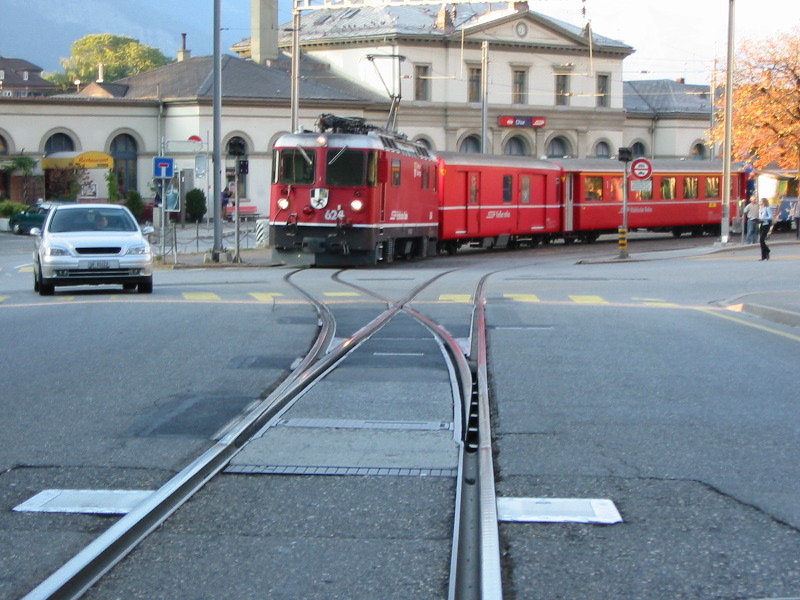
point(236, 150)
point(602, 150)
point(58, 142)
point(558, 148)
point(124, 151)
point(638, 150)
point(471, 143)
point(699, 151)
point(516, 146)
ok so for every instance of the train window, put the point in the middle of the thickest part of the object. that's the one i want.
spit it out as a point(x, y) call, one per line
point(473, 188)
point(615, 189)
point(426, 177)
point(372, 168)
point(525, 190)
point(691, 187)
point(668, 188)
point(295, 166)
point(396, 172)
point(712, 187)
point(594, 188)
point(345, 167)
point(507, 188)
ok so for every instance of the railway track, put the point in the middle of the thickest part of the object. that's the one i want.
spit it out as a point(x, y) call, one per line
point(454, 466)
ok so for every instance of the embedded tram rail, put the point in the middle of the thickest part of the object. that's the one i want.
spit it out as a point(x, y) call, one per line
point(425, 457)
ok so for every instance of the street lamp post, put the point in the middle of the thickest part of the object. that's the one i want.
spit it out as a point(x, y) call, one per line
point(727, 142)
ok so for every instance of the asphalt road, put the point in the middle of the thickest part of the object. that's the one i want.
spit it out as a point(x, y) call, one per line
point(625, 381)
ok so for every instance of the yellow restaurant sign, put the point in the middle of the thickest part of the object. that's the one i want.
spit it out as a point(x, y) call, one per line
point(78, 160)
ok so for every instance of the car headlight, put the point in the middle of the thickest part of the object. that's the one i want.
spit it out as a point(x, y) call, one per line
point(138, 250)
point(55, 251)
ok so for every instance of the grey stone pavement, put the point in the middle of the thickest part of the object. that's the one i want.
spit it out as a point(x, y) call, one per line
point(194, 244)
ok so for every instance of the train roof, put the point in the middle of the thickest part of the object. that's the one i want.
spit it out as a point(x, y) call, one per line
point(660, 165)
point(474, 159)
point(373, 140)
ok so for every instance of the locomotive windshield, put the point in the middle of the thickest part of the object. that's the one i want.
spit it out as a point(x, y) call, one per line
point(295, 166)
point(351, 167)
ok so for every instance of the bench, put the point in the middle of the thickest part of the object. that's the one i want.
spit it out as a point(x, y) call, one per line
point(245, 212)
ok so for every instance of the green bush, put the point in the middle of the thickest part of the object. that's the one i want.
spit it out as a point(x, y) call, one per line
point(134, 202)
point(195, 204)
point(9, 209)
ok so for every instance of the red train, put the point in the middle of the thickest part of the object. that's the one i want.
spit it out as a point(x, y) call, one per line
point(353, 194)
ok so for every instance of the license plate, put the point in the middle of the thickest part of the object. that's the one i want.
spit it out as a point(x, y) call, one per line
point(99, 264)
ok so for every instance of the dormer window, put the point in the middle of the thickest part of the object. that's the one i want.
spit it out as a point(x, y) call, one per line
point(25, 76)
point(2, 74)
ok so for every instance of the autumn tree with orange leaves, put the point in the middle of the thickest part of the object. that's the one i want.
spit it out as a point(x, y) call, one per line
point(766, 103)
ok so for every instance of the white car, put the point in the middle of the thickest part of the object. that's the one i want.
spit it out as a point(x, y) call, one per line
point(92, 244)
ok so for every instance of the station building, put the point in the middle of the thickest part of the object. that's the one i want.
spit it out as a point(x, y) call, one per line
point(538, 87)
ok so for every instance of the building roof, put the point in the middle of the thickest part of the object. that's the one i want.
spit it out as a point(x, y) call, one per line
point(666, 96)
point(194, 78)
point(13, 75)
point(426, 22)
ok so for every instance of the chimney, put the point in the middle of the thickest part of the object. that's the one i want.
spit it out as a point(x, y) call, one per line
point(263, 30)
point(183, 53)
point(444, 20)
point(100, 72)
point(519, 6)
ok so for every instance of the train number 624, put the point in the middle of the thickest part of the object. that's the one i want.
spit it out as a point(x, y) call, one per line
point(333, 214)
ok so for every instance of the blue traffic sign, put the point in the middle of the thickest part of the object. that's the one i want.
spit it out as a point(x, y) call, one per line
point(163, 167)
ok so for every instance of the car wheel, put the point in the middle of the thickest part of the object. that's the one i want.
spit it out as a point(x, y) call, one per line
point(46, 289)
point(146, 287)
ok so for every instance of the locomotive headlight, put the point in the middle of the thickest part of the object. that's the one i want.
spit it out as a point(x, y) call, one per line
point(357, 205)
point(283, 203)
point(322, 140)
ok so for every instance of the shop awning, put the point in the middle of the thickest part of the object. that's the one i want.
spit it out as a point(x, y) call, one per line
point(78, 160)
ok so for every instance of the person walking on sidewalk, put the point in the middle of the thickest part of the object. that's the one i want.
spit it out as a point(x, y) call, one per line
point(765, 222)
point(751, 222)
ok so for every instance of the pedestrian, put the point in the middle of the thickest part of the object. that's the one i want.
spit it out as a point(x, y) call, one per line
point(765, 222)
point(226, 198)
point(796, 218)
point(751, 222)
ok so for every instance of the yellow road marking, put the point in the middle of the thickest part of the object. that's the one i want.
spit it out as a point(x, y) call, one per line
point(25, 270)
point(2, 298)
point(721, 315)
point(522, 297)
point(201, 296)
point(462, 298)
point(265, 296)
point(588, 299)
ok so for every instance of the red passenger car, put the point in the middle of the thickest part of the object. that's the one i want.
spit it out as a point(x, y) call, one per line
point(686, 197)
point(487, 200)
point(350, 195)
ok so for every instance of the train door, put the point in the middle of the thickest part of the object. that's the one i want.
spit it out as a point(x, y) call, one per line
point(473, 202)
point(532, 203)
point(569, 202)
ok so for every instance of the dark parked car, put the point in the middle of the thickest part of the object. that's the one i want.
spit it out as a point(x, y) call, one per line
point(32, 217)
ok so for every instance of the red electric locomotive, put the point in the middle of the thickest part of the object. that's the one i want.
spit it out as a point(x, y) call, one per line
point(352, 194)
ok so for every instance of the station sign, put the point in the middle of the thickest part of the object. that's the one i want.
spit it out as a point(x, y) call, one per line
point(521, 121)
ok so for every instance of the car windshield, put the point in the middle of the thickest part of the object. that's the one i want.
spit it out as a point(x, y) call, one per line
point(91, 219)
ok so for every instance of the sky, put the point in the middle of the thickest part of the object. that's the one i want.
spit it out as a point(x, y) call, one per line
point(673, 38)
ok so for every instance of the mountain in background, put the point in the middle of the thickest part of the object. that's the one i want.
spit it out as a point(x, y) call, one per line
point(42, 31)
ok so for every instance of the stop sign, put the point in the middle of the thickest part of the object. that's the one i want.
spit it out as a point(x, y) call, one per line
point(641, 168)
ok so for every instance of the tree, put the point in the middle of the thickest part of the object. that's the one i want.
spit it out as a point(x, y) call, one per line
point(24, 165)
point(766, 103)
point(120, 55)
